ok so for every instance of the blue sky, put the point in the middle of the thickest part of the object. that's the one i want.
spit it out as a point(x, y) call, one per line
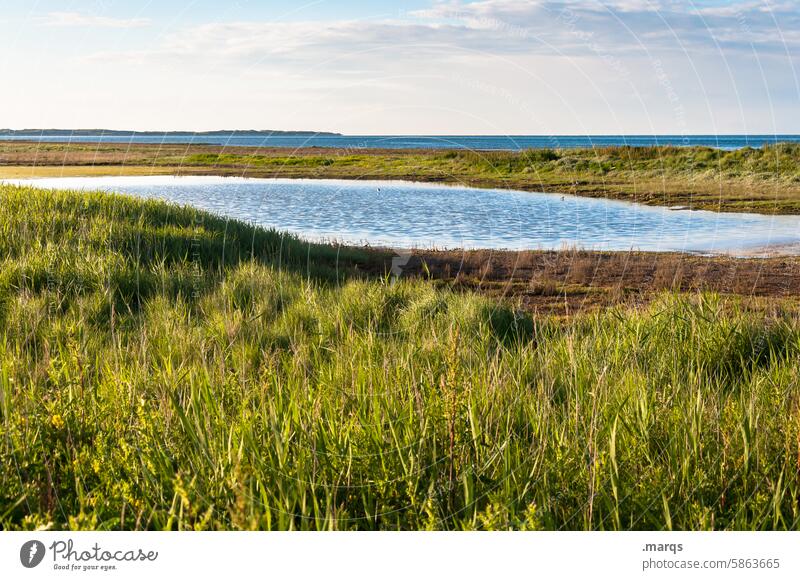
point(420, 66)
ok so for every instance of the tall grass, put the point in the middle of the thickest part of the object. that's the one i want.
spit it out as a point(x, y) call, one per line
point(770, 162)
point(161, 368)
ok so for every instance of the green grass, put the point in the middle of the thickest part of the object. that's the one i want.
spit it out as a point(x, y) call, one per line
point(762, 180)
point(769, 162)
point(161, 368)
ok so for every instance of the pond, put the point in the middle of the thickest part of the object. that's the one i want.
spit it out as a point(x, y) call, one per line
point(419, 215)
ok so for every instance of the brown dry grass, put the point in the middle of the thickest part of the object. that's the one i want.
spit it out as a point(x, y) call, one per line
point(568, 282)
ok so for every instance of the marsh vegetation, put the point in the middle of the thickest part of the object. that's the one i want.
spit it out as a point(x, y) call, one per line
point(162, 368)
point(763, 180)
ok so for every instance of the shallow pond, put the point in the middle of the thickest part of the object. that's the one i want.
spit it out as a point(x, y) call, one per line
point(404, 214)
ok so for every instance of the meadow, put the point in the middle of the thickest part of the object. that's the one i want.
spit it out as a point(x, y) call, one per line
point(162, 368)
point(762, 180)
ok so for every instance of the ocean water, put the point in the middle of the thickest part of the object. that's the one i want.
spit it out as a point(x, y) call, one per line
point(416, 215)
point(477, 142)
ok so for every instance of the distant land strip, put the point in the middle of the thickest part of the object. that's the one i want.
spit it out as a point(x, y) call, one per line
point(122, 133)
point(762, 180)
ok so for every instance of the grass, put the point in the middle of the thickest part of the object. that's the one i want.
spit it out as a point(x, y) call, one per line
point(161, 368)
point(763, 180)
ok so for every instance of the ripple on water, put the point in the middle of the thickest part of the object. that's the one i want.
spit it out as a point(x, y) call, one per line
point(403, 214)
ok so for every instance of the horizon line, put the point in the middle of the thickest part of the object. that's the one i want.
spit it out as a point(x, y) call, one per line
point(307, 132)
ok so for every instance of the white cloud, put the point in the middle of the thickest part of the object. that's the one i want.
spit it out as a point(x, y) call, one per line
point(515, 66)
point(625, 28)
point(79, 19)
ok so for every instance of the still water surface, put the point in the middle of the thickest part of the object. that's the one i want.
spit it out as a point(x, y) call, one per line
point(469, 142)
point(404, 214)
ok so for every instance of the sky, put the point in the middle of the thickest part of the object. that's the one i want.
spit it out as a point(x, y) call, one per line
point(454, 67)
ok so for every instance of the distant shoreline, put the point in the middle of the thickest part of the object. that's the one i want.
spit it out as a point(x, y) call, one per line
point(327, 140)
point(763, 180)
point(123, 133)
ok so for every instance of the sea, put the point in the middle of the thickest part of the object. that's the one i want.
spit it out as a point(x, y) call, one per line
point(463, 142)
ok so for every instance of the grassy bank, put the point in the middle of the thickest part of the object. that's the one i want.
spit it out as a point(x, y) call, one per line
point(161, 368)
point(764, 180)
